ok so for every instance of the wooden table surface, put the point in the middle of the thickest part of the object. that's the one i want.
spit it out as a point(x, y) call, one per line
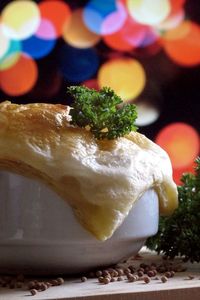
point(180, 287)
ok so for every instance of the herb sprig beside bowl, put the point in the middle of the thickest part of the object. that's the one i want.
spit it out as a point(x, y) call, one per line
point(179, 234)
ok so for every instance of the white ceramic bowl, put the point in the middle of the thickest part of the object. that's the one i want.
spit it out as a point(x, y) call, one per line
point(40, 235)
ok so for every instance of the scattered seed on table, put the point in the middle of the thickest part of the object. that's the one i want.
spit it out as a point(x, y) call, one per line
point(153, 265)
point(112, 279)
point(155, 272)
point(127, 270)
point(31, 285)
point(140, 270)
point(131, 278)
point(98, 273)
point(147, 269)
point(37, 285)
point(132, 268)
point(105, 273)
point(164, 279)
point(106, 280)
point(119, 278)
point(146, 279)
point(120, 272)
point(48, 284)
point(83, 279)
point(33, 292)
point(43, 287)
point(142, 265)
point(150, 273)
point(100, 279)
point(54, 282)
point(168, 274)
point(172, 273)
point(60, 280)
point(140, 273)
point(115, 273)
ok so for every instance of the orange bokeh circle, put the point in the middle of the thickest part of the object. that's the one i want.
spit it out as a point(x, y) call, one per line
point(185, 49)
point(181, 142)
point(20, 78)
point(77, 34)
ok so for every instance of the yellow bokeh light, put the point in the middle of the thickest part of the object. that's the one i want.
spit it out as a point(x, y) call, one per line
point(20, 19)
point(126, 76)
point(77, 34)
point(149, 12)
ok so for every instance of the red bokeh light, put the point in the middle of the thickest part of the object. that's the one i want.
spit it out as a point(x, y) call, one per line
point(181, 142)
point(91, 84)
point(57, 12)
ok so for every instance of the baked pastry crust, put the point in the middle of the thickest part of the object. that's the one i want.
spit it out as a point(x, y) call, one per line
point(101, 180)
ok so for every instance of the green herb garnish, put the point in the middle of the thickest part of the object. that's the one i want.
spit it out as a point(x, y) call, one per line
point(97, 111)
point(179, 234)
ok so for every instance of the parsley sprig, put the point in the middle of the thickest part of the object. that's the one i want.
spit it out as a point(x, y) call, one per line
point(179, 234)
point(98, 112)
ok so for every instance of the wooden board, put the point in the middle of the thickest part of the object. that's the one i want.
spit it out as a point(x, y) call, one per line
point(180, 287)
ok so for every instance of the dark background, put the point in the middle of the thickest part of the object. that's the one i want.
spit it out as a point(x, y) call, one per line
point(174, 89)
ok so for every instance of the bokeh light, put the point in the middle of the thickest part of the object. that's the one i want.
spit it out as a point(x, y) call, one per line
point(125, 76)
point(178, 32)
point(149, 12)
point(12, 55)
point(178, 172)
point(20, 78)
point(128, 37)
point(185, 50)
point(147, 114)
point(150, 37)
point(95, 14)
point(46, 30)
point(20, 19)
point(77, 34)
point(114, 21)
point(172, 21)
point(176, 6)
point(58, 12)
point(133, 46)
point(91, 84)
point(76, 64)
point(181, 142)
point(37, 47)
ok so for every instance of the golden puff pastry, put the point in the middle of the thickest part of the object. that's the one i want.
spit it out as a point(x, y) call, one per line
point(101, 180)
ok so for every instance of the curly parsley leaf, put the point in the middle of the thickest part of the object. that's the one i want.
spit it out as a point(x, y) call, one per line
point(98, 112)
point(179, 234)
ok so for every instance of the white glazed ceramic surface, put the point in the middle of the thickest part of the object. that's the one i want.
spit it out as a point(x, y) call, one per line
point(39, 233)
